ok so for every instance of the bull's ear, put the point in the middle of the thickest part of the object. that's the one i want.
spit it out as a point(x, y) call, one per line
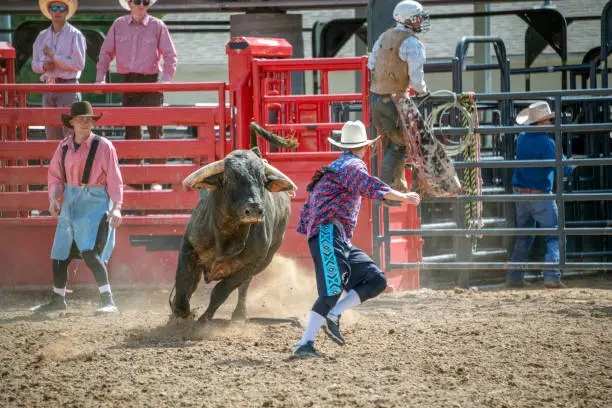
point(209, 183)
point(277, 184)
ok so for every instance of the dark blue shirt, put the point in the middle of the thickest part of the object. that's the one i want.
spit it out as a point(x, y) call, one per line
point(536, 146)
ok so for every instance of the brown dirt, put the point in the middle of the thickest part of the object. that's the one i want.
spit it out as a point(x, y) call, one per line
point(452, 348)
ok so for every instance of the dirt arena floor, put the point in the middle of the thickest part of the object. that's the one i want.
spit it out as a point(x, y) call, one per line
point(448, 348)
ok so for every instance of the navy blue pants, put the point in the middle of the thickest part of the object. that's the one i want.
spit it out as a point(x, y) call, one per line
point(341, 266)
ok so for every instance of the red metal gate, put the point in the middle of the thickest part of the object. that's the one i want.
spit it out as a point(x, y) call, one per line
point(260, 84)
point(26, 235)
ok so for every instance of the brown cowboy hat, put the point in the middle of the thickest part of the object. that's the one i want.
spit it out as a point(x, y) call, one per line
point(71, 4)
point(79, 109)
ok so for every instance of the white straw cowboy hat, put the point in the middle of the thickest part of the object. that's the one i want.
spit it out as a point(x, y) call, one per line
point(125, 5)
point(353, 136)
point(536, 112)
point(71, 4)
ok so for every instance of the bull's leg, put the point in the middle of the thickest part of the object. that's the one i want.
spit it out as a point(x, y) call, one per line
point(240, 310)
point(221, 291)
point(188, 275)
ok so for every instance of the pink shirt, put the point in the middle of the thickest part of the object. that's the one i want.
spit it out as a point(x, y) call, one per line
point(68, 46)
point(138, 48)
point(104, 171)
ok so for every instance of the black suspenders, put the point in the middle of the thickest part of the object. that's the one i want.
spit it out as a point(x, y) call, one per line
point(88, 163)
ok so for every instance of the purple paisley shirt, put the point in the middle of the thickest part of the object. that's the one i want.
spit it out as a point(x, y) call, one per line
point(336, 198)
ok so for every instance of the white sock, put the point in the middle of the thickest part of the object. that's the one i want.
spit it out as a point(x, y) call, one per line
point(312, 327)
point(60, 291)
point(349, 300)
point(104, 288)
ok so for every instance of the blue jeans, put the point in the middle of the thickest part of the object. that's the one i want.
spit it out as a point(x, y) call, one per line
point(527, 214)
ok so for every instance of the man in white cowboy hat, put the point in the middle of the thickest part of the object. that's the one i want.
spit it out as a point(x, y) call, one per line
point(138, 41)
point(535, 180)
point(59, 55)
point(328, 219)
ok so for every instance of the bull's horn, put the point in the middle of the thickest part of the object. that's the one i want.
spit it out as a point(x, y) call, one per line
point(269, 169)
point(203, 173)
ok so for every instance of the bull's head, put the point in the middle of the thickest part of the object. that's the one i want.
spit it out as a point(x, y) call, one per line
point(241, 177)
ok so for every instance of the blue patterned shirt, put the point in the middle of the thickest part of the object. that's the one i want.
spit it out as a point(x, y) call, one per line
point(336, 198)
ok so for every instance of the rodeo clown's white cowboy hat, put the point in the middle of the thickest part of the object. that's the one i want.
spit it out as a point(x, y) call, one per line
point(71, 4)
point(536, 112)
point(354, 135)
point(125, 5)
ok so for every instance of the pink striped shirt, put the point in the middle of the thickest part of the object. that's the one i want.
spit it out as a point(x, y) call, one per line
point(138, 48)
point(104, 171)
point(68, 46)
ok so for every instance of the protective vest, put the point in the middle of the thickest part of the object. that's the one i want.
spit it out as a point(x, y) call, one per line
point(390, 74)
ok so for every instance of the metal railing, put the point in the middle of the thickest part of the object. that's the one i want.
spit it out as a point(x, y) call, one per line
point(463, 265)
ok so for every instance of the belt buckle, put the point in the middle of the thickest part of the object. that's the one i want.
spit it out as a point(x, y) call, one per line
point(83, 186)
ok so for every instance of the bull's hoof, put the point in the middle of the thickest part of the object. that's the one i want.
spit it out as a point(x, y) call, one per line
point(180, 309)
point(239, 317)
point(204, 319)
point(182, 316)
point(181, 313)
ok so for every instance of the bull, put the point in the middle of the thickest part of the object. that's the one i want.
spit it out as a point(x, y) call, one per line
point(237, 226)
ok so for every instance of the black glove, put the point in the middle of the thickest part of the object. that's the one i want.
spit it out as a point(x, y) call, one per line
point(421, 96)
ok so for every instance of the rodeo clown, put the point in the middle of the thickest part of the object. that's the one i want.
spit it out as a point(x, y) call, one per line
point(328, 219)
point(396, 64)
point(85, 170)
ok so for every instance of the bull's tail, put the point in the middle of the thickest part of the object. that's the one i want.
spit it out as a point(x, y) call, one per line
point(170, 298)
point(270, 137)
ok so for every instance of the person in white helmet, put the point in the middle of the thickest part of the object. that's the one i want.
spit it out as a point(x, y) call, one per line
point(396, 64)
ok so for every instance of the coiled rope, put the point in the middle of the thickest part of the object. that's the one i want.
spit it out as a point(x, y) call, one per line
point(469, 145)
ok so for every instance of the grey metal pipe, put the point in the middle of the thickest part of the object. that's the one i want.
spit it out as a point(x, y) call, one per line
point(578, 128)
point(456, 232)
point(503, 265)
point(510, 164)
point(530, 276)
point(522, 197)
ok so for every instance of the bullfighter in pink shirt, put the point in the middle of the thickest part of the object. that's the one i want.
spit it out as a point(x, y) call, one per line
point(85, 170)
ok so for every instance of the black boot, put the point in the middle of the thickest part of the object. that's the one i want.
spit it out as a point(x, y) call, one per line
point(107, 304)
point(58, 302)
point(393, 171)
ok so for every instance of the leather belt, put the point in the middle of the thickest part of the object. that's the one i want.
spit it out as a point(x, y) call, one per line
point(384, 98)
point(135, 77)
point(527, 190)
point(65, 80)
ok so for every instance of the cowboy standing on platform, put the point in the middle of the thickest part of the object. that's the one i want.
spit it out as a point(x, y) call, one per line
point(85, 170)
point(396, 63)
point(138, 41)
point(328, 219)
point(59, 55)
point(536, 180)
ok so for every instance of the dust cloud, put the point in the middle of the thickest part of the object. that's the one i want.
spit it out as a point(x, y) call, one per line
point(283, 289)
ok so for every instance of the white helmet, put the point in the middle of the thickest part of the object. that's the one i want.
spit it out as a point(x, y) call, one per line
point(410, 14)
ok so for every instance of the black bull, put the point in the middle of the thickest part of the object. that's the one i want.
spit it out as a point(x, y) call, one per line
point(237, 226)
